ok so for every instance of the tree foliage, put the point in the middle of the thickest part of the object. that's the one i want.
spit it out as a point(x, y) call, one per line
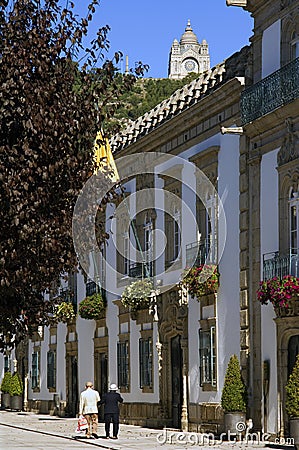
point(145, 95)
point(234, 394)
point(55, 94)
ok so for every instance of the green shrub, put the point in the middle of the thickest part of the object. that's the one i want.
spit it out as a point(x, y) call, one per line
point(16, 385)
point(6, 381)
point(292, 391)
point(234, 394)
point(92, 307)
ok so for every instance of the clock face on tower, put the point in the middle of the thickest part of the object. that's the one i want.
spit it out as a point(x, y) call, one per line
point(190, 65)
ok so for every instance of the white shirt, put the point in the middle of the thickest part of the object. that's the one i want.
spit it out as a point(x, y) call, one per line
point(88, 401)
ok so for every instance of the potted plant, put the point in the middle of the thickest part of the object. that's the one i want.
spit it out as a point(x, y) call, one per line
point(92, 307)
point(136, 295)
point(201, 280)
point(64, 312)
point(16, 392)
point(280, 292)
point(5, 387)
point(234, 397)
point(292, 402)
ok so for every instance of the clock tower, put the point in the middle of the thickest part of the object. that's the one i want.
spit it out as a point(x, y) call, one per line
point(188, 55)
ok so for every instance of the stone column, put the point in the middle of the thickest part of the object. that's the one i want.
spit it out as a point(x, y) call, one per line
point(25, 404)
point(254, 275)
point(184, 417)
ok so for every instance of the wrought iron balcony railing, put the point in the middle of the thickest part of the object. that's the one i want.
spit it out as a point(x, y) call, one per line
point(68, 296)
point(201, 252)
point(278, 89)
point(280, 265)
point(92, 288)
point(138, 270)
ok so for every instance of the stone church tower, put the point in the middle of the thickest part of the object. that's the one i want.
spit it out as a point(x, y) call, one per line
point(188, 55)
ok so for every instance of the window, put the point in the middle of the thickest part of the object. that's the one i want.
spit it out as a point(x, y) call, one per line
point(173, 236)
point(123, 364)
point(6, 363)
point(145, 362)
point(126, 254)
point(91, 288)
point(207, 356)
point(294, 46)
point(148, 245)
point(211, 229)
point(294, 233)
point(35, 370)
point(176, 238)
point(51, 370)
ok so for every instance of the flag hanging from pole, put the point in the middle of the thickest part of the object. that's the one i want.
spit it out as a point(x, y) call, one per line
point(103, 157)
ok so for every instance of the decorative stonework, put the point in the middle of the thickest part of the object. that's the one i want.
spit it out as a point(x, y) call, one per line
point(290, 148)
point(188, 55)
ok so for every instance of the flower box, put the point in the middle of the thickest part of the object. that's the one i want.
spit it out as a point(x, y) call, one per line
point(92, 307)
point(137, 295)
point(64, 312)
point(201, 281)
point(282, 293)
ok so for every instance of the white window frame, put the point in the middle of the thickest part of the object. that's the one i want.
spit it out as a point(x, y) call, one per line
point(176, 235)
point(126, 254)
point(294, 228)
point(207, 357)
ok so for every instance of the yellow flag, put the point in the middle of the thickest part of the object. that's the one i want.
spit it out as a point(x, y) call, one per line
point(104, 159)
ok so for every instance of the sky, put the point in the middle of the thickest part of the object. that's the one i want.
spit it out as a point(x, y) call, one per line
point(145, 30)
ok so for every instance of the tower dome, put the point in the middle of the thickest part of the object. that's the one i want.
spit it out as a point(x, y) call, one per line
point(188, 55)
point(189, 37)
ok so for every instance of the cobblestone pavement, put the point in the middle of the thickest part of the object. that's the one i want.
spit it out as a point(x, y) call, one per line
point(35, 431)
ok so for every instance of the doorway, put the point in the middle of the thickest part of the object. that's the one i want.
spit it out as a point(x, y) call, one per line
point(176, 381)
point(73, 400)
point(293, 350)
point(101, 378)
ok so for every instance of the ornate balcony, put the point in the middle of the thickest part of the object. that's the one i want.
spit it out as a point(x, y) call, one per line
point(138, 270)
point(279, 265)
point(274, 91)
point(201, 252)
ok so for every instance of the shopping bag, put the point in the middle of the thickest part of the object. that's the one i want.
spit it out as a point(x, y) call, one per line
point(82, 425)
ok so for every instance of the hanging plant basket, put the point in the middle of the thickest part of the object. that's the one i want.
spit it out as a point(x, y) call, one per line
point(136, 295)
point(201, 281)
point(64, 312)
point(282, 293)
point(92, 307)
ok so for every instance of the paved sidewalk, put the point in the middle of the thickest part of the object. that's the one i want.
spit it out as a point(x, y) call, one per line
point(36, 431)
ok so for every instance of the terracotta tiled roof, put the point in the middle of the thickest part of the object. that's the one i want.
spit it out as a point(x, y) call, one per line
point(181, 99)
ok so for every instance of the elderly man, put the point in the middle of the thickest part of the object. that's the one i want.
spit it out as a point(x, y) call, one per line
point(111, 410)
point(89, 409)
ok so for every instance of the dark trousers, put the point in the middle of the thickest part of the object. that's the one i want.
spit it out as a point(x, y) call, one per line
point(114, 417)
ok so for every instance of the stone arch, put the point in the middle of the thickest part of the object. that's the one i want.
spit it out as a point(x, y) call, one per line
point(286, 327)
point(289, 28)
point(288, 180)
point(173, 322)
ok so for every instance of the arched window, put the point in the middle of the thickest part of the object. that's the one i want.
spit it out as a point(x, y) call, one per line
point(294, 232)
point(293, 350)
point(294, 46)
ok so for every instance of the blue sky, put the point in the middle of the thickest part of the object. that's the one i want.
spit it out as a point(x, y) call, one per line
point(144, 30)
